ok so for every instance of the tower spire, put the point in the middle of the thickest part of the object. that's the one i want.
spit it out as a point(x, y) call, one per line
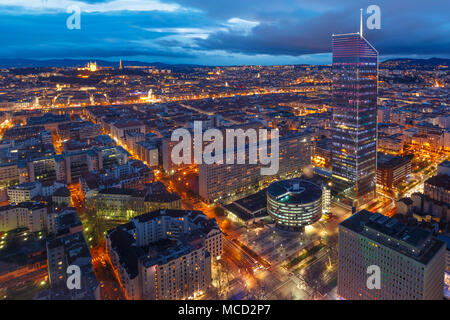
point(361, 24)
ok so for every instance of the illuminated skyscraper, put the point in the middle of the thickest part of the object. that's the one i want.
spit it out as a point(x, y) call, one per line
point(354, 149)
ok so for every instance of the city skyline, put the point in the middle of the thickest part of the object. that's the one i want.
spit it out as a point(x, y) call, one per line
point(242, 184)
point(194, 32)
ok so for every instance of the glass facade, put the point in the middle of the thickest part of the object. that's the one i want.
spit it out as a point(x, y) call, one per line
point(294, 204)
point(354, 149)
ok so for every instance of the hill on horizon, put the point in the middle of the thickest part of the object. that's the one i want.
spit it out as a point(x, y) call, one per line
point(35, 63)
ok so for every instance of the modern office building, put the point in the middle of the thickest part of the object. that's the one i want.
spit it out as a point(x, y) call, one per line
point(410, 260)
point(325, 185)
point(222, 181)
point(294, 203)
point(354, 150)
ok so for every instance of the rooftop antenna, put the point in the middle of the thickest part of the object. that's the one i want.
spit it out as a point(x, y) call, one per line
point(361, 25)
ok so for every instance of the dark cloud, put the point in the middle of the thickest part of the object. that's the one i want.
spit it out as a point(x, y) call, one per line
point(286, 28)
point(406, 29)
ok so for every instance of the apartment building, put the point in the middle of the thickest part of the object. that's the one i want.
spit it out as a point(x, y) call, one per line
point(79, 130)
point(29, 215)
point(24, 192)
point(164, 254)
point(120, 129)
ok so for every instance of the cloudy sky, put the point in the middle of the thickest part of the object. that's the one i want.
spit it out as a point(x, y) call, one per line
point(218, 32)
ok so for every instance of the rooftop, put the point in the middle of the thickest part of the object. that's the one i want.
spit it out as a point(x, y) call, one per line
point(254, 202)
point(440, 181)
point(62, 192)
point(25, 186)
point(414, 242)
point(174, 213)
point(128, 124)
point(390, 161)
point(445, 164)
point(294, 191)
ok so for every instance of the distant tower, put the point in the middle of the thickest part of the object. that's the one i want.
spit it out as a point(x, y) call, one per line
point(150, 96)
point(91, 66)
point(120, 64)
point(361, 26)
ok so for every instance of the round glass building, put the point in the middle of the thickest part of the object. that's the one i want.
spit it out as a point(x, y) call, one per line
point(294, 203)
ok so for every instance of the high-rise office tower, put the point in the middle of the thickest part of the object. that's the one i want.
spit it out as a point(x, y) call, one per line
point(354, 148)
point(410, 260)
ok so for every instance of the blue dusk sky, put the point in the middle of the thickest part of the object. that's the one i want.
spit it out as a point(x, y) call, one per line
point(218, 32)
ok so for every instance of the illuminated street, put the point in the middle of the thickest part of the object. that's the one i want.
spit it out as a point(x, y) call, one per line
point(231, 150)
